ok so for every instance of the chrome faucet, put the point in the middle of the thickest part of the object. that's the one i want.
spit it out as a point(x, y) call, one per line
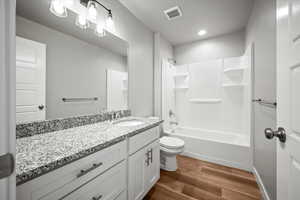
point(118, 115)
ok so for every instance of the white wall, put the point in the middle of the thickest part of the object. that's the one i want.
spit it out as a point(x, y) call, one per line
point(74, 68)
point(261, 30)
point(230, 45)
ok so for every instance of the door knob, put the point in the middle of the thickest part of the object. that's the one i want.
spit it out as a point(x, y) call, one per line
point(280, 133)
point(41, 107)
point(7, 165)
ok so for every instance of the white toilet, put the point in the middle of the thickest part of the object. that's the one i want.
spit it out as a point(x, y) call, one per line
point(169, 148)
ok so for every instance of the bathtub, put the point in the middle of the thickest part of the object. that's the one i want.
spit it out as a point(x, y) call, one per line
point(229, 149)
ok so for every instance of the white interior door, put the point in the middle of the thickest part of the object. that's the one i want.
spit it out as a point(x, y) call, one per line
point(30, 80)
point(288, 93)
point(7, 98)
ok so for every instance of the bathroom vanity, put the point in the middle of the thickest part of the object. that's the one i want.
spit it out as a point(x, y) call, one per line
point(114, 161)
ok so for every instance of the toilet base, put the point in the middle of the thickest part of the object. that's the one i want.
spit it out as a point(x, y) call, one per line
point(168, 162)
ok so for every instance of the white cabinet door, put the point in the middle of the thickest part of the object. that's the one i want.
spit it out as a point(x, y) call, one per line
point(137, 179)
point(153, 169)
point(30, 80)
point(144, 170)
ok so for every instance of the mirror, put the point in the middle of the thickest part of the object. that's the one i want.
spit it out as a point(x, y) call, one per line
point(64, 71)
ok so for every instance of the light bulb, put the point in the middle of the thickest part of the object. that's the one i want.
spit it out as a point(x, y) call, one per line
point(92, 10)
point(110, 22)
point(57, 8)
point(100, 30)
point(82, 22)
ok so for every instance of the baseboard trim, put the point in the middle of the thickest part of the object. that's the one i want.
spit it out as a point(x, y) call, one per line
point(217, 161)
point(261, 185)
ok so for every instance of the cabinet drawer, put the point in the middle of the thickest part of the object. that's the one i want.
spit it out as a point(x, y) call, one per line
point(142, 139)
point(64, 180)
point(107, 186)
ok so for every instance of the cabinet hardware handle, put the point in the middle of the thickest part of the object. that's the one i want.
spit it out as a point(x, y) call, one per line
point(97, 198)
point(151, 155)
point(147, 158)
point(85, 171)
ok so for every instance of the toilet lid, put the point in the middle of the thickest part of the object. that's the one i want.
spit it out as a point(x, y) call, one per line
point(171, 142)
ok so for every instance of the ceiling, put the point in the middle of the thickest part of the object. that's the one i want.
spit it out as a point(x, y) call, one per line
point(38, 11)
point(218, 17)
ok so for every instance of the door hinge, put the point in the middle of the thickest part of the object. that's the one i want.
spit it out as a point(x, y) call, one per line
point(7, 165)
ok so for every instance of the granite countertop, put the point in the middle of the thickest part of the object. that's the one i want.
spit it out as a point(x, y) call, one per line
point(42, 153)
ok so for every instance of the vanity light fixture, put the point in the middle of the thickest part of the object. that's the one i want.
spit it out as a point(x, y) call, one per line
point(92, 11)
point(202, 32)
point(59, 9)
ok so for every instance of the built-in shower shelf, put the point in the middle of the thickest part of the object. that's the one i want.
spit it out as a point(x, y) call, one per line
point(234, 69)
point(233, 85)
point(181, 88)
point(198, 101)
point(181, 75)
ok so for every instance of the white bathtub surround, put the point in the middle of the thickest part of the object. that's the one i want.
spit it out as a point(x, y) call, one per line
point(212, 103)
point(170, 147)
point(217, 94)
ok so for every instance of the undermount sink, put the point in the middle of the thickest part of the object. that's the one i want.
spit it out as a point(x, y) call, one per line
point(129, 123)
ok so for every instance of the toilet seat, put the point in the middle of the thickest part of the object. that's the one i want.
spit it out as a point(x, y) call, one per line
point(171, 151)
point(171, 143)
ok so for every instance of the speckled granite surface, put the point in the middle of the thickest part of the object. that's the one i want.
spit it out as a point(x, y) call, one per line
point(39, 127)
point(42, 153)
